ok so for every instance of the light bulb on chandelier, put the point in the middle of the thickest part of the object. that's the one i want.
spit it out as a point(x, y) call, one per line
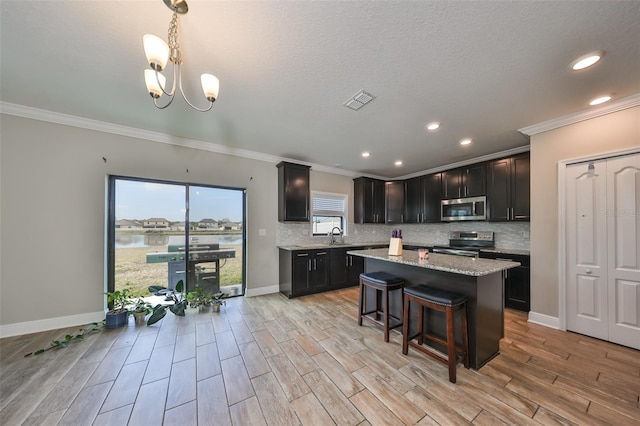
point(160, 53)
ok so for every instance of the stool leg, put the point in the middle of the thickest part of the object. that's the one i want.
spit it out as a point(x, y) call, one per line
point(385, 313)
point(420, 324)
point(405, 325)
point(465, 337)
point(451, 344)
point(362, 302)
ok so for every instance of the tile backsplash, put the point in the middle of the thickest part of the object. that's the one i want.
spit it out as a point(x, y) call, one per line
point(508, 235)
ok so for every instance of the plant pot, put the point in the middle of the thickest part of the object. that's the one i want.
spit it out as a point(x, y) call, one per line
point(139, 317)
point(204, 308)
point(115, 320)
point(216, 306)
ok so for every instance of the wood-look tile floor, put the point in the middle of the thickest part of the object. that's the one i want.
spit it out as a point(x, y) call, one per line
point(268, 360)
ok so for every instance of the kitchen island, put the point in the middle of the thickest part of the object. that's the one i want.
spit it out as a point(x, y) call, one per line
point(481, 280)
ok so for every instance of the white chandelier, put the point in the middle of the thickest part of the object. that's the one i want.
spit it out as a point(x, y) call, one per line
point(159, 53)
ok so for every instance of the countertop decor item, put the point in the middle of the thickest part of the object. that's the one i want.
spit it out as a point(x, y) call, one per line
point(395, 244)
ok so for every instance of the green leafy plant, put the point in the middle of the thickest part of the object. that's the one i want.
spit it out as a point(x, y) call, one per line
point(119, 299)
point(197, 299)
point(94, 327)
point(178, 307)
point(141, 306)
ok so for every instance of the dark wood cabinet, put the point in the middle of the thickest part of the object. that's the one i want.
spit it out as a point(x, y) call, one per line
point(304, 272)
point(508, 188)
point(394, 191)
point(294, 193)
point(517, 284)
point(422, 199)
point(345, 268)
point(469, 181)
point(368, 200)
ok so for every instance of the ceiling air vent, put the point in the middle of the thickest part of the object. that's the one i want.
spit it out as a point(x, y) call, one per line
point(359, 100)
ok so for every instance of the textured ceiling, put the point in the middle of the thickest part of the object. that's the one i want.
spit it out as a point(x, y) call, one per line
point(483, 69)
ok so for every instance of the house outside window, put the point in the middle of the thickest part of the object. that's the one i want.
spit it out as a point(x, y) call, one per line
point(328, 210)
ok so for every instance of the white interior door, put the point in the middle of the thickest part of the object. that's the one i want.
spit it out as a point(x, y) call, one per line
point(586, 227)
point(623, 220)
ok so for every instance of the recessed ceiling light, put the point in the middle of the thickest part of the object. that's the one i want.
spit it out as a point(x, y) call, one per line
point(600, 100)
point(433, 126)
point(366, 154)
point(585, 61)
point(398, 163)
point(465, 141)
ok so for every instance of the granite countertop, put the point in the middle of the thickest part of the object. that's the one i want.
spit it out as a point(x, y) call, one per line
point(472, 266)
point(385, 243)
point(507, 251)
point(313, 246)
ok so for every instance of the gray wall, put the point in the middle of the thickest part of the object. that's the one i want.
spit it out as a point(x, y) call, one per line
point(616, 131)
point(52, 228)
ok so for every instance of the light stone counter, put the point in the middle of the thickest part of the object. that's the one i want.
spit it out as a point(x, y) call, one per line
point(462, 265)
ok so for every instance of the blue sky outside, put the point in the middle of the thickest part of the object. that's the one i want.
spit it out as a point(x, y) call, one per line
point(143, 200)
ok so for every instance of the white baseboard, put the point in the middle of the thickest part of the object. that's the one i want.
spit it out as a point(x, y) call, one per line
point(261, 291)
point(29, 327)
point(546, 320)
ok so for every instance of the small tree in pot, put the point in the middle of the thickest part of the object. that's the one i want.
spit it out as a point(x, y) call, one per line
point(118, 314)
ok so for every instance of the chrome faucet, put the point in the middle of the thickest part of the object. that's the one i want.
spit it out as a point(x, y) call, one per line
point(333, 239)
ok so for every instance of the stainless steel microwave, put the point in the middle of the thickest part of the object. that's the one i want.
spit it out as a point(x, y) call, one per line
point(473, 208)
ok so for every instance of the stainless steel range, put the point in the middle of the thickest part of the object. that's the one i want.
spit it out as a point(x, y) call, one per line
point(467, 243)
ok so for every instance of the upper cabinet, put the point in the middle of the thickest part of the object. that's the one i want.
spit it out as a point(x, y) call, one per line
point(368, 200)
point(469, 181)
point(394, 201)
point(422, 199)
point(508, 187)
point(294, 194)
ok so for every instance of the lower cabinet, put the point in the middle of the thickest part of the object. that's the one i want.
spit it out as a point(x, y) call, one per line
point(305, 272)
point(345, 268)
point(517, 287)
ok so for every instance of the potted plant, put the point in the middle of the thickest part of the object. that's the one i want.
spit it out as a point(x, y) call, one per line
point(117, 315)
point(140, 310)
point(197, 299)
point(216, 301)
point(178, 307)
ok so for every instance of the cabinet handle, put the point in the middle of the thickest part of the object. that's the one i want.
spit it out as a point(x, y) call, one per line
point(588, 271)
point(315, 264)
point(350, 260)
point(309, 265)
point(302, 254)
point(346, 261)
point(322, 253)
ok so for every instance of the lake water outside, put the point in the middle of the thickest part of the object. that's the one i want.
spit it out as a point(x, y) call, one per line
point(155, 240)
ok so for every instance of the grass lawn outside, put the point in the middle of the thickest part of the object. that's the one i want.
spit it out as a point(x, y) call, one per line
point(133, 271)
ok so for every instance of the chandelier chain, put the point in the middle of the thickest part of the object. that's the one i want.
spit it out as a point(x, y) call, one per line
point(173, 39)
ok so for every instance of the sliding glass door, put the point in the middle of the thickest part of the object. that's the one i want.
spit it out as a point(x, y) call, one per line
point(162, 232)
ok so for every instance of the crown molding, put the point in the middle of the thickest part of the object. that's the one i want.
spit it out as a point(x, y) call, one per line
point(116, 129)
point(495, 155)
point(615, 106)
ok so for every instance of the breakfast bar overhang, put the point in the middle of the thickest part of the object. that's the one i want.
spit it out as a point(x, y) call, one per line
point(481, 280)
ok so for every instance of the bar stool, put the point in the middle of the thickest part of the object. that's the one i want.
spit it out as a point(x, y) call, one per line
point(382, 282)
point(443, 301)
